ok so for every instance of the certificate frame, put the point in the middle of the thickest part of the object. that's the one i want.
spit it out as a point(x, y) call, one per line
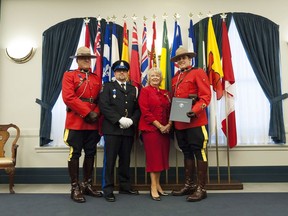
point(179, 109)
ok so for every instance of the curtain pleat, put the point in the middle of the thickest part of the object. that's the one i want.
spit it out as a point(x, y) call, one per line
point(260, 38)
point(59, 43)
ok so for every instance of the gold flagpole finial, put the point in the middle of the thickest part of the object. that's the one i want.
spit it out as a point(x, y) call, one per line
point(210, 14)
point(113, 18)
point(99, 18)
point(177, 16)
point(124, 17)
point(144, 19)
point(223, 16)
point(154, 17)
point(108, 19)
point(134, 17)
point(200, 15)
point(190, 15)
point(86, 20)
point(165, 16)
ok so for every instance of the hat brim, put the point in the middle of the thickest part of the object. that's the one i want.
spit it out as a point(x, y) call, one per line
point(120, 68)
point(189, 54)
point(90, 56)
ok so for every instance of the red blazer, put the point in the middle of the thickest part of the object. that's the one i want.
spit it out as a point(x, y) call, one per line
point(76, 85)
point(154, 104)
point(193, 81)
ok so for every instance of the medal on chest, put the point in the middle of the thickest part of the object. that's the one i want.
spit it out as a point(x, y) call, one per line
point(114, 93)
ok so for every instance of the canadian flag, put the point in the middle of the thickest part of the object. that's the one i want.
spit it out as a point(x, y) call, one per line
point(228, 81)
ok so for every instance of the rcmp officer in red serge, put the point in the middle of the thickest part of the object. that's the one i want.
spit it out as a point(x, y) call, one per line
point(192, 137)
point(80, 90)
point(119, 106)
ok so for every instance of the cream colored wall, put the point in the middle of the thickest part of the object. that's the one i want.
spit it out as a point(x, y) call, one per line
point(20, 84)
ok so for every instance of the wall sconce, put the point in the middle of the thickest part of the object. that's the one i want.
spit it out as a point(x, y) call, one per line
point(20, 53)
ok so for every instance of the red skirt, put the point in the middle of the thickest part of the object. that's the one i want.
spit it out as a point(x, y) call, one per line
point(157, 147)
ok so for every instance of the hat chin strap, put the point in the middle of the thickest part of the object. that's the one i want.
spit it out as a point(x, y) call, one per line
point(186, 69)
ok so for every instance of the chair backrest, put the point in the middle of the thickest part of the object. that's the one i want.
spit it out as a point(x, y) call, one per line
point(5, 135)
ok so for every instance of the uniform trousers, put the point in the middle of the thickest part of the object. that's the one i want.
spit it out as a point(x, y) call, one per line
point(116, 145)
point(81, 139)
point(193, 142)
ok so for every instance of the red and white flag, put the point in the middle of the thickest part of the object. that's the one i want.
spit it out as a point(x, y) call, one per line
point(153, 58)
point(97, 51)
point(228, 81)
point(135, 74)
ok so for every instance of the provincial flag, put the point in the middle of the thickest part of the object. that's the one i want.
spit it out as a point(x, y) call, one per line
point(214, 69)
point(153, 57)
point(144, 57)
point(135, 75)
point(114, 47)
point(125, 50)
point(97, 51)
point(106, 77)
point(165, 60)
point(201, 54)
point(177, 42)
point(191, 40)
point(229, 123)
point(87, 33)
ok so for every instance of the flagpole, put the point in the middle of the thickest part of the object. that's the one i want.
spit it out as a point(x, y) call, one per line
point(227, 139)
point(216, 138)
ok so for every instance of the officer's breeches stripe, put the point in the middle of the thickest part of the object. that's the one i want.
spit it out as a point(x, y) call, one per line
point(203, 150)
point(66, 134)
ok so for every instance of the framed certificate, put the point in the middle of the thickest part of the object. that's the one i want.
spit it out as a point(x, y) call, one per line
point(179, 108)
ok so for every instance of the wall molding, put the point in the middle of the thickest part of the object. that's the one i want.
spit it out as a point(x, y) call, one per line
point(61, 176)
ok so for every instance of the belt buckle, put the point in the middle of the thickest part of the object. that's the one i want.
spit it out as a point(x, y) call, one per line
point(91, 100)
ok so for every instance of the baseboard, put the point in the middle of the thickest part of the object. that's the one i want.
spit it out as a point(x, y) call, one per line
point(241, 174)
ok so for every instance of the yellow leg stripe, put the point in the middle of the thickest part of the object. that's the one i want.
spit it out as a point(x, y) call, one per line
point(66, 133)
point(203, 150)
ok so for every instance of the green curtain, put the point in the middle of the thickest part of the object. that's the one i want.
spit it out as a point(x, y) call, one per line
point(260, 38)
point(59, 43)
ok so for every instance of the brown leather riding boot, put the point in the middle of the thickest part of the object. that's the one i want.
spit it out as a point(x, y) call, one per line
point(86, 185)
point(200, 192)
point(76, 194)
point(189, 186)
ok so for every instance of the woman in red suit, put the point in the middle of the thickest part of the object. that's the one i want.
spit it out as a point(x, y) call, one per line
point(154, 125)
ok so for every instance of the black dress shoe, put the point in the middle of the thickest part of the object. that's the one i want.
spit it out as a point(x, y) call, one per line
point(163, 193)
point(130, 192)
point(110, 197)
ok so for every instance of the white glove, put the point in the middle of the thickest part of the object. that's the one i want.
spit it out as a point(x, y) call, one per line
point(125, 122)
point(130, 122)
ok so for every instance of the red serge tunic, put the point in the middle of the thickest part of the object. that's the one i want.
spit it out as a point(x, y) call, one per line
point(76, 85)
point(193, 81)
point(155, 105)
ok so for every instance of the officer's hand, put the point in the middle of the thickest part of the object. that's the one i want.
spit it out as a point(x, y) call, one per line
point(191, 114)
point(92, 117)
point(129, 121)
point(124, 122)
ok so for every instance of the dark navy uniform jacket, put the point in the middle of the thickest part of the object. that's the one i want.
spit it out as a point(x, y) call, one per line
point(116, 102)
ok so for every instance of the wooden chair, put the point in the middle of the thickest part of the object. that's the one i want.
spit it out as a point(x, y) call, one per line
point(8, 161)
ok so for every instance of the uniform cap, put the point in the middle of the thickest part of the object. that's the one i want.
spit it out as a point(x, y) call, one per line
point(120, 65)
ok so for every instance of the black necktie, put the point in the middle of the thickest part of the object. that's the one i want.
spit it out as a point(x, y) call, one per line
point(123, 85)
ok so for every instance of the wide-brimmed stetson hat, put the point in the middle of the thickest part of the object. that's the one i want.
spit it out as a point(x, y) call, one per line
point(182, 52)
point(83, 52)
